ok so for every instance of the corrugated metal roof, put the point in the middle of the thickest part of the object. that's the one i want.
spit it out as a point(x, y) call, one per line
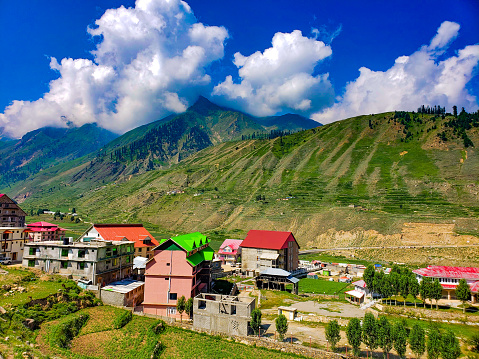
point(276, 271)
point(189, 241)
point(471, 273)
point(132, 232)
point(267, 239)
point(360, 283)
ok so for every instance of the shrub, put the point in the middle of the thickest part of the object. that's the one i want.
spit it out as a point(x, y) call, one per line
point(63, 333)
point(158, 327)
point(123, 319)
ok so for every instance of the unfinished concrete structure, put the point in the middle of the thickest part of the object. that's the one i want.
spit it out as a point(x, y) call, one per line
point(223, 313)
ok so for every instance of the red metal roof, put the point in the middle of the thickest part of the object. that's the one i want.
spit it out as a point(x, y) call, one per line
point(475, 287)
point(132, 232)
point(43, 227)
point(267, 239)
point(360, 283)
point(2, 194)
point(449, 272)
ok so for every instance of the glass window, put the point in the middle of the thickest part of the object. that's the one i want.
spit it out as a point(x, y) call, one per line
point(31, 251)
point(64, 264)
point(81, 265)
point(81, 253)
point(31, 263)
point(173, 296)
point(64, 252)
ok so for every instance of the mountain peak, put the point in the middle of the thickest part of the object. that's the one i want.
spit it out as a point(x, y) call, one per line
point(203, 106)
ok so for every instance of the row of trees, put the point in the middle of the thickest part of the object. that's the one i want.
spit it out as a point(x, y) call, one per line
point(402, 281)
point(380, 333)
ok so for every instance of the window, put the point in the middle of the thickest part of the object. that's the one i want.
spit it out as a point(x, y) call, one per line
point(115, 251)
point(128, 259)
point(202, 304)
point(108, 252)
point(140, 249)
point(64, 264)
point(167, 264)
point(64, 252)
point(31, 262)
point(173, 296)
point(171, 310)
point(81, 265)
point(31, 251)
point(81, 253)
point(166, 278)
point(233, 309)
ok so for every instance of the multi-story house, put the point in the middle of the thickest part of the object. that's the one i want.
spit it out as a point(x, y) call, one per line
point(144, 241)
point(44, 231)
point(12, 229)
point(98, 261)
point(230, 251)
point(269, 249)
point(11, 215)
point(12, 241)
point(180, 267)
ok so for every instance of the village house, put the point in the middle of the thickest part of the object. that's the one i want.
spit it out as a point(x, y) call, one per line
point(92, 261)
point(144, 241)
point(124, 293)
point(449, 278)
point(230, 251)
point(359, 293)
point(12, 229)
point(269, 249)
point(180, 267)
point(11, 215)
point(44, 231)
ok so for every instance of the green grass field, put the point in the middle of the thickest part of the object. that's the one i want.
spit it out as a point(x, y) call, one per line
point(321, 286)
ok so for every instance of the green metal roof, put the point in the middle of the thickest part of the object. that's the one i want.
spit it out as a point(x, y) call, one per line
point(189, 241)
point(205, 254)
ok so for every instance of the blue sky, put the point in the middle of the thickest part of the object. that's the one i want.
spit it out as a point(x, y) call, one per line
point(154, 57)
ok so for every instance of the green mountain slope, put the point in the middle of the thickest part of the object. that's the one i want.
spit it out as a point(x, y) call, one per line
point(375, 172)
point(48, 146)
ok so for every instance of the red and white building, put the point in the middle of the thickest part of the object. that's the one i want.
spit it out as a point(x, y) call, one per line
point(144, 241)
point(230, 251)
point(269, 249)
point(449, 278)
point(44, 231)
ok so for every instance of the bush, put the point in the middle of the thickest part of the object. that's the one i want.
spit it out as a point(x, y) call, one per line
point(158, 327)
point(123, 319)
point(64, 333)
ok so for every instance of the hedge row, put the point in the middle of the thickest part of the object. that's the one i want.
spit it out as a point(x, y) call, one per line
point(122, 320)
point(64, 332)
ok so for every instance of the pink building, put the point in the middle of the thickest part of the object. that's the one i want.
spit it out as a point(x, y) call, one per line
point(44, 231)
point(180, 267)
point(230, 251)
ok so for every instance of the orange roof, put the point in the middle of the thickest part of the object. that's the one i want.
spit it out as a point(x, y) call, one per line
point(132, 232)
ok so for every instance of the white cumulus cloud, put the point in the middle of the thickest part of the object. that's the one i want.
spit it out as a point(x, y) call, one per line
point(150, 61)
point(423, 78)
point(279, 78)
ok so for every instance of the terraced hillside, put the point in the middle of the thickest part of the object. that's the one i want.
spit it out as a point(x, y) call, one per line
point(353, 182)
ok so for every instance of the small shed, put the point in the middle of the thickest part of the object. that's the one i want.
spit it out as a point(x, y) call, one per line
point(312, 276)
point(276, 279)
point(326, 272)
point(289, 312)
